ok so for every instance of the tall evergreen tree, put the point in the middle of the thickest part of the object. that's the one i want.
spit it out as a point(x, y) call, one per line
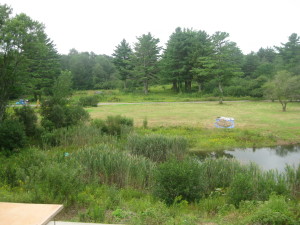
point(224, 62)
point(290, 54)
point(122, 56)
point(145, 59)
point(18, 36)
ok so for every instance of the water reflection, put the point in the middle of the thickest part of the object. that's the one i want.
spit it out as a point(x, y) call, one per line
point(267, 158)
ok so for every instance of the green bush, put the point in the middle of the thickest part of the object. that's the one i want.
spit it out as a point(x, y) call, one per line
point(158, 148)
point(114, 125)
point(54, 182)
point(56, 115)
point(241, 188)
point(175, 178)
point(118, 125)
point(12, 135)
point(276, 211)
point(91, 100)
point(28, 118)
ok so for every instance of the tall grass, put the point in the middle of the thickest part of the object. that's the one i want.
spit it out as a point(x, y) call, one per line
point(157, 147)
point(72, 136)
point(108, 166)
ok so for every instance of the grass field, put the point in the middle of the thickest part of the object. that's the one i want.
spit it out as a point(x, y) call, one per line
point(264, 119)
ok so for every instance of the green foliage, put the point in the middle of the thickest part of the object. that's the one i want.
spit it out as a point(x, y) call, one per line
point(54, 182)
point(275, 211)
point(91, 100)
point(218, 173)
point(95, 213)
point(45, 179)
point(212, 205)
point(145, 59)
point(175, 178)
point(12, 135)
point(145, 123)
point(293, 180)
point(156, 215)
point(254, 184)
point(283, 87)
point(27, 56)
point(62, 87)
point(114, 125)
point(28, 118)
point(122, 60)
point(56, 115)
point(72, 136)
point(158, 148)
point(241, 189)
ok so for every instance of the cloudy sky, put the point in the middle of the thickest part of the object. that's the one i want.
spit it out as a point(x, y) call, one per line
point(100, 25)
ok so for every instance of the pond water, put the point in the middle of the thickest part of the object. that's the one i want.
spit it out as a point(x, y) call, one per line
point(267, 158)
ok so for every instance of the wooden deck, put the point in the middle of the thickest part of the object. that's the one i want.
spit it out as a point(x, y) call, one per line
point(27, 214)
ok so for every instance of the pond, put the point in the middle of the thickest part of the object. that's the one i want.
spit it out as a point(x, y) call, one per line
point(267, 158)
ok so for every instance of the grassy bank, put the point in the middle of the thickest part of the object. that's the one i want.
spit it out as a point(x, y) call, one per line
point(259, 123)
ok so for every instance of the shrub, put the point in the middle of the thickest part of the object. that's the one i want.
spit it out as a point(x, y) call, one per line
point(242, 188)
point(117, 125)
point(61, 115)
point(75, 115)
point(175, 178)
point(114, 125)
point(155, 214)
point(275, 211)
point(54, 182)
point(158, 148)
point(91, 100)
point(99, 124)
point(12, 135)
point(28, 118)
point(145, 123)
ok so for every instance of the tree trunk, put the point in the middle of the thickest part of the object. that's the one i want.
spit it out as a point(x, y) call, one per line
point(2, 109)
point(199, 87)
point(175, 86)
point(146, 87)
point(125, 84)
point(187, 85)
point(283, 103)
point(221, 93)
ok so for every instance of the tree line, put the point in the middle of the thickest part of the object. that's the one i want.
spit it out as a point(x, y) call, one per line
point(192, 61)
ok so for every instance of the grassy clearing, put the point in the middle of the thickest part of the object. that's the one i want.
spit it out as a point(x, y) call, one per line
point(262, 123)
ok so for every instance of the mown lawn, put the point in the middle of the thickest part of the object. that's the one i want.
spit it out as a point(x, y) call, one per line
point(260, 118)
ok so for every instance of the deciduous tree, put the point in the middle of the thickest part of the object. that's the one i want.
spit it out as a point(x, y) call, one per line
point(285, 87)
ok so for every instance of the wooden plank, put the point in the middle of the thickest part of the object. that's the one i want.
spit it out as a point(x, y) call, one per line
point(27, 214)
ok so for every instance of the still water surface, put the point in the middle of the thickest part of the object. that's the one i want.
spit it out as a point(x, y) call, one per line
point(267, 158)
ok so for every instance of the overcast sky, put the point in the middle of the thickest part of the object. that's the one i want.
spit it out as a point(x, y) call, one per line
point(100, 25)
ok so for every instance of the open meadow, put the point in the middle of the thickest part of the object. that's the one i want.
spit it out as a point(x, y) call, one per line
point(263, 121)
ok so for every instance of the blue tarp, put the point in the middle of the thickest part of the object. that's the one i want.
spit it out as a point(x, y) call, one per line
point(224, 122)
